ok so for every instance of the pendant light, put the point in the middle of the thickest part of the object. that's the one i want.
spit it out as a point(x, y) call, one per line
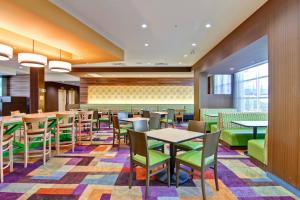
point(6, 52)
point(59, 65)
point(32, 59)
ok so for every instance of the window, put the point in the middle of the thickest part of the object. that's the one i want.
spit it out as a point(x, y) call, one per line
point(251, 89)
point(222, 84)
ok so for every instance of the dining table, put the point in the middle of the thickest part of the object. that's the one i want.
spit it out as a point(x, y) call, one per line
point(252, 124)
point(173, 136)
point(161, 112)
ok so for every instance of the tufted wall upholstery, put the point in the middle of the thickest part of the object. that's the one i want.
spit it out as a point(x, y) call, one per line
point(140, 94)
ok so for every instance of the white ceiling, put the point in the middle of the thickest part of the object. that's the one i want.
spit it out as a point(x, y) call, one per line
point(173, 25)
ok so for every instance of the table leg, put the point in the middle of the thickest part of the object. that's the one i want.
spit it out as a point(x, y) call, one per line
point(163, 176)
point(254, 132)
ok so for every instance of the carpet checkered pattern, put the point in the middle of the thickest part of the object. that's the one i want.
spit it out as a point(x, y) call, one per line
point(99, 171)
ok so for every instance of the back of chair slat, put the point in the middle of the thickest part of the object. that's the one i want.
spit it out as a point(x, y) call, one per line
point(171, 114)
point(154, 122)
point(35, 123)
point(140, 126)
point(197, 126)
point(210, 142)
point(85, 116)
point(63, 119)
point(146, 113)
point(138, 143)
point(115, 122)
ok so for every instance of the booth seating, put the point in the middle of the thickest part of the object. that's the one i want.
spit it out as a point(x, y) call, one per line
point(237, 136)
point(258, 149)
point(213, 120)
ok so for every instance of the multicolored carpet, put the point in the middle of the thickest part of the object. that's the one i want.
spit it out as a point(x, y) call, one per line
point(99, 171)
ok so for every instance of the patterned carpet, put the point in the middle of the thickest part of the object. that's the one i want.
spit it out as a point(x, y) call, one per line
point(98, 171)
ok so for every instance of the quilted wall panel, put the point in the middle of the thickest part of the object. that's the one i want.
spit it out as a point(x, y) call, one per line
point(140, 94)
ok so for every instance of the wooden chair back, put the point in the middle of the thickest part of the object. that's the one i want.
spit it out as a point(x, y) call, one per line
point(115, 122)
point(154, 122)
point(65, 121)
point(138, 144)
point(35, 124)
point(141, 126)
point(146, 114)
point(210, 147)
point(85, 116)
point(197, 126)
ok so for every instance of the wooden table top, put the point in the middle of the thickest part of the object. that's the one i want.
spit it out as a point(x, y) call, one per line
point(173, 135)
point(212, 115)
point(134, 119)
point(161, 113)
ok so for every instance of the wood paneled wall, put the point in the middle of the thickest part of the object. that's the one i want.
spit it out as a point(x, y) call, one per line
point(18, 86)
point(85, 82)
point(280, 21)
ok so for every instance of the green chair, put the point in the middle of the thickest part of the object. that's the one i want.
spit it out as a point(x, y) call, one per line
point(201, 160)
point(170, 119)
point(142, 126)
point(196, 126)
point(105, 118)
point(141, 156)
point(154, 121)
point(118, 132)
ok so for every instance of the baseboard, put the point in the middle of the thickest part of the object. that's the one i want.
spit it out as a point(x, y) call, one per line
point(232, 147)
point(258, 163)
point(284, 184)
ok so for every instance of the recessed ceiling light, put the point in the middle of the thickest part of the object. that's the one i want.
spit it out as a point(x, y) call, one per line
point(21, 67)
point(208, 25)
point(231, 68)
point(144, 26)
point(185, 55)
point(194, 44)
point(180, 63)
point(146, 44)
point(149, 63)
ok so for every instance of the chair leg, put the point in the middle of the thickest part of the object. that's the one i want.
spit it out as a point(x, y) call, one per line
point(11, 157)
point(91, 134)
point(131, 174)
point(177, 173)
point(169, 173)
point(57, 141)
point(163, 148)
point(216, 176)
point(44, 149)
point(119, 142)
point(73, 140)
point(113, 139)
point(1, 165)
point(49, 147)
point(25, 150)
point(147, 185)
point(203, 185)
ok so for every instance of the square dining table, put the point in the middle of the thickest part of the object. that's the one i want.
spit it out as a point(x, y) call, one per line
point(173, 136)
point(252, 124)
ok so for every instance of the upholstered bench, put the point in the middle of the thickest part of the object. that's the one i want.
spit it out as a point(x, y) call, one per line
point(235, 135)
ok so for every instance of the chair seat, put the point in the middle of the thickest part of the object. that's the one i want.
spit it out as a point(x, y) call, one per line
point(65, 125)
point(95, 120)
point(36, 131)
point(166, 120)
point(122, 131)
point(153, 144)
point(190, 145)
point(126, 126)
point(104, 119)
point(7, 137)
point(194, 158)
point(155, 157)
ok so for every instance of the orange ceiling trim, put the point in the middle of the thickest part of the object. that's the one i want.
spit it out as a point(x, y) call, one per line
point(44, 22)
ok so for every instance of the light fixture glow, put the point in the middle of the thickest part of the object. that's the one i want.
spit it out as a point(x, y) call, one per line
point(144, 26)
point(146, 44)
point(208, 25)
point(180, 63)
point(59, 66)
point(185, 55)
point(194, 44)
point(231, 68)
point(6, 52)
point(32, 60)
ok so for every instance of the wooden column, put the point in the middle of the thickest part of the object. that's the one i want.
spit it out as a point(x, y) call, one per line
point(196, 94)
point(37, 89)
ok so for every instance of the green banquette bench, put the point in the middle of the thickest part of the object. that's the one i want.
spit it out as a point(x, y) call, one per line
point(235, 135)
point(213, 120)
point(258, 149)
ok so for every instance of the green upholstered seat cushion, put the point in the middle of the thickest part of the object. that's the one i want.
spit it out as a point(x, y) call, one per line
point(95, 120)
point(104, 119)
point(213, 128)
point(256, 149)
point(240, 136)
point(194, 158)
point(123, 131)
point(155, 157)
point(165, 120)
point(190, 145)
point(153, 144)
point(209, 124)
point(126, 126)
